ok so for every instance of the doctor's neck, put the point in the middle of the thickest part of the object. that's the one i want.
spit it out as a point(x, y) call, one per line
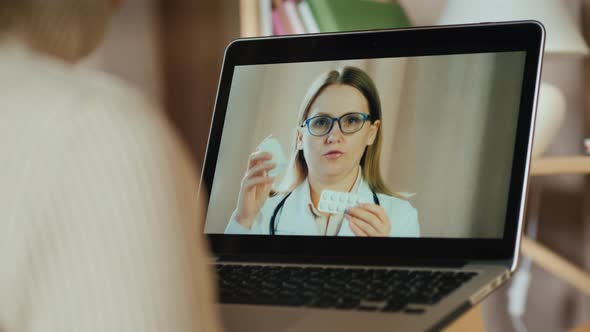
point(343, 183)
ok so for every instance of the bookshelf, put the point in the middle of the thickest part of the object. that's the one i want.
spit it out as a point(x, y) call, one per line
point(258, 17)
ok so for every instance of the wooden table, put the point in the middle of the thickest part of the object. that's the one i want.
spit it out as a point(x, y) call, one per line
point(470, 321)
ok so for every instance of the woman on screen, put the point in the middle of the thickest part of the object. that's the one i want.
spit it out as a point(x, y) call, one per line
point(337, 147)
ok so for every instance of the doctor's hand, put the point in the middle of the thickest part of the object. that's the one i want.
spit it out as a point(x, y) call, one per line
point(255, 187)
point(368, 220)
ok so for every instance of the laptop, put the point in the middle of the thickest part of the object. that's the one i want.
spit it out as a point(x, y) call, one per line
point(372, 180)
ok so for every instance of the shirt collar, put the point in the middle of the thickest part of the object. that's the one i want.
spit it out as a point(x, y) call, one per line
point(307, 190)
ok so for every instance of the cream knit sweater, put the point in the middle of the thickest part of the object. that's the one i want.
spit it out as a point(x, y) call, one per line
point(99, 222)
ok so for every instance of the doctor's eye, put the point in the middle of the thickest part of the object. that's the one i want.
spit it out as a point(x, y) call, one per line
point(352, 119)
point(353, 122)
point(321, 122)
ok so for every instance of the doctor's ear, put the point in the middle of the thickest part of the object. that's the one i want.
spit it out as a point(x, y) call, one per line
point(299, 139)
point(373, 132)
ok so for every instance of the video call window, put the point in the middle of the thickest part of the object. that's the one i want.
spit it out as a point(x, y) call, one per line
point(394, 147)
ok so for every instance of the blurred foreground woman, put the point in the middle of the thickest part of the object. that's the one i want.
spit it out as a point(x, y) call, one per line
point(99, 221)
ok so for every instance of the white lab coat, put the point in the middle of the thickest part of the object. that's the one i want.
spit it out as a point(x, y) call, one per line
point(295, 217)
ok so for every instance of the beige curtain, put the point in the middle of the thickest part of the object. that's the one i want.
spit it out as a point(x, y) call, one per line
point(454, 141)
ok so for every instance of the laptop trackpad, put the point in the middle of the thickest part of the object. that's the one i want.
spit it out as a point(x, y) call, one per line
point(259, 318)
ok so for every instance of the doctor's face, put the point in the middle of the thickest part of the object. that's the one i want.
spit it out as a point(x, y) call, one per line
point(337, 153)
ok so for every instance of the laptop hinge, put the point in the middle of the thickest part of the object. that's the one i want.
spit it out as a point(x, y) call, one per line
point(362, 261)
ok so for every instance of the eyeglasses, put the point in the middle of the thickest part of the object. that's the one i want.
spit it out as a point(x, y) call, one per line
point(349, 123)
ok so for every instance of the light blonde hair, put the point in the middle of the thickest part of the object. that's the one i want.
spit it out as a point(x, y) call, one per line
point(68, 29)
point(297, 170)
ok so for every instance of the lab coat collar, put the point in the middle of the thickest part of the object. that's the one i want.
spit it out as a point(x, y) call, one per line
point(296, 218)
point(364, 191)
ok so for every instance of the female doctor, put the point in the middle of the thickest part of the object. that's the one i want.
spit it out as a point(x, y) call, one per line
point(337, 147)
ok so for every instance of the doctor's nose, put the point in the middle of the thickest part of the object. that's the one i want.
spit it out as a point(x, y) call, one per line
point(335, 135)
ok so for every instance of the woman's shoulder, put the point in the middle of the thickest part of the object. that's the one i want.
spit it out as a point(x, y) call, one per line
point(102, 92)
point(402, 214)
point(95, 82)
point(394, 201)
point(110, 105)
point(63, 87)
point(77, 92)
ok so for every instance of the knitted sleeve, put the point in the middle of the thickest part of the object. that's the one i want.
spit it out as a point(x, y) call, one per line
point(108, 235)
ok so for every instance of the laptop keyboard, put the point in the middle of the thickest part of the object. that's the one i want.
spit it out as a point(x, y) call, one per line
point(338, 288)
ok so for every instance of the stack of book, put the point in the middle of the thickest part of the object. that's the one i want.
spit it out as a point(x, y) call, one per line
point(286, 17)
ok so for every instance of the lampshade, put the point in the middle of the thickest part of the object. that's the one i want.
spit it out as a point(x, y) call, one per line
point(563, 37)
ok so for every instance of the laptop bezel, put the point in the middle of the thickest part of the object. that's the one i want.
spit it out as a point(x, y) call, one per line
point(527, 36)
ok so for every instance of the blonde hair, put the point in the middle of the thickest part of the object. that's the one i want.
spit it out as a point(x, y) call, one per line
point(297, 170)
point(68, 29)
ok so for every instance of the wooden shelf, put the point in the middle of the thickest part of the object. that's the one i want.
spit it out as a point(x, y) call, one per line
point(560, 165)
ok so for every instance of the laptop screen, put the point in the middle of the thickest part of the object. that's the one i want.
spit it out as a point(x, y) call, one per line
point(405, 147)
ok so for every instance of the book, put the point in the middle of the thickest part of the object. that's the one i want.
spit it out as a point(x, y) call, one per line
point(350, 15)
point(311, 26)
point(277, 24)
point(293, 16)
point(265, 16)
point(281, 18)
point(249, 21)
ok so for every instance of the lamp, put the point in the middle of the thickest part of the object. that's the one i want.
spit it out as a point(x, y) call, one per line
point(563, 39)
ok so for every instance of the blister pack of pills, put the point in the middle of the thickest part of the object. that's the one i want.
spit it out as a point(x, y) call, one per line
point(337, 202)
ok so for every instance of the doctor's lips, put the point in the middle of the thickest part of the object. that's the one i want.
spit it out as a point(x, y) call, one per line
point(333, 154)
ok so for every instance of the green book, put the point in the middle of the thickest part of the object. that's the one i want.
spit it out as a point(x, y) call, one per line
point(349, 15)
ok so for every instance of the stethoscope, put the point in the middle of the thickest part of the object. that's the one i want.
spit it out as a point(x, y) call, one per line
point(272, 226)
